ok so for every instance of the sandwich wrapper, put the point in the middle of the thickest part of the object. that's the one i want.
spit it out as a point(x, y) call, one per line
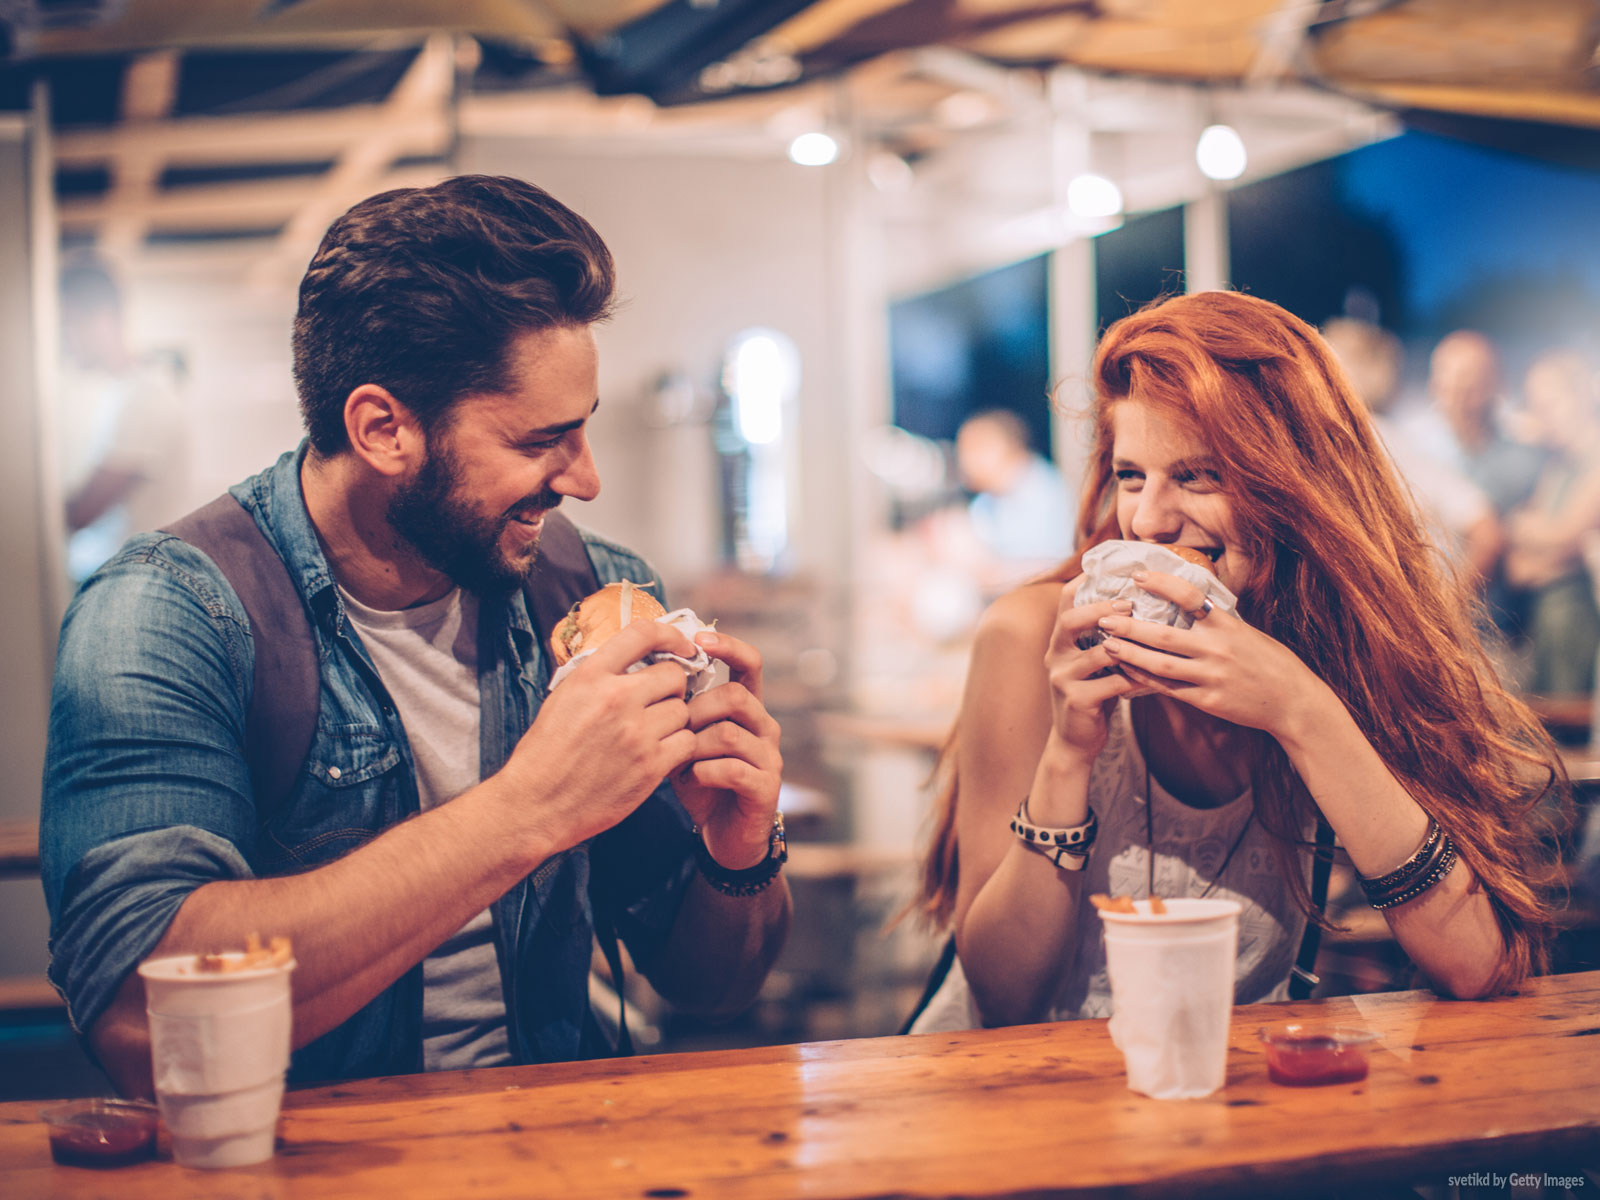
point(700, 669)
point(1107, 572)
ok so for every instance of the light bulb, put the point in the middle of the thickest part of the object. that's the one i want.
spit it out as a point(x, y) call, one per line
point(1094, 196)
point(813, 150)
point(1220, 152)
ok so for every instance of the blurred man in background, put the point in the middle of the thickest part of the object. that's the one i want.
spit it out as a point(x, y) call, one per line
point(1021, 509)
point(120, 432)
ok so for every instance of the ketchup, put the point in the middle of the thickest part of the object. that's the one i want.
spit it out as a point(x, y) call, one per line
point(102, 1139)
point(1314, 1059)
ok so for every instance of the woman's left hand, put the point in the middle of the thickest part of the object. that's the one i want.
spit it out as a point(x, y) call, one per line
point(1221, 665)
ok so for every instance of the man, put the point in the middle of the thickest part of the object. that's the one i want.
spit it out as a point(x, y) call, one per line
point(1462, 430)
point(123, 449)
point(1458, 511)
point(452, 839)
point(1021, 509)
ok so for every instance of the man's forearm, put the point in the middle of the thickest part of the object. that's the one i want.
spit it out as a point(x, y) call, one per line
point(357, 924)
point(721, 948)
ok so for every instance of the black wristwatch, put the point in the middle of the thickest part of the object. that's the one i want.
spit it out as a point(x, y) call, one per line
point(750, 880)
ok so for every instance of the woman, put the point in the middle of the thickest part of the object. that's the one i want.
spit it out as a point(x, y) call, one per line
point(1349, 682)
point(1545, 537)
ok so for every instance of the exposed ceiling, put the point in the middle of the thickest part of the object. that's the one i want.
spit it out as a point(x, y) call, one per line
point(178, 120)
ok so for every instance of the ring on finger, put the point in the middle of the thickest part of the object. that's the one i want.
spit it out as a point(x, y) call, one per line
point(1204, 611)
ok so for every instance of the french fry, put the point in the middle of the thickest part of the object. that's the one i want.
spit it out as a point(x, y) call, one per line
point(1124, 904)
point(1116, 904)
point(276, 953)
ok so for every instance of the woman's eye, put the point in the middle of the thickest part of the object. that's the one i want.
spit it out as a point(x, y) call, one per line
point(1203, 481)
point(1127, 479)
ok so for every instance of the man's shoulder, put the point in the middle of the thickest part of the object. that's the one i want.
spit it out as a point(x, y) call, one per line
point(151, 567)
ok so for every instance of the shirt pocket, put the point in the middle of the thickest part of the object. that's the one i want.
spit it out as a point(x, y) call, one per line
point(344, 799)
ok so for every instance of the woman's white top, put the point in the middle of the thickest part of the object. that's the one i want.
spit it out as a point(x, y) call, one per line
point(1191, 845)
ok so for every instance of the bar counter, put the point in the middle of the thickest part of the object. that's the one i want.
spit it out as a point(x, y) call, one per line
point(1042, 1110)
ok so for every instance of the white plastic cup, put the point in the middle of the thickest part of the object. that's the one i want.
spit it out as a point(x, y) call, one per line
point(1172, 994)
point(219, 1048)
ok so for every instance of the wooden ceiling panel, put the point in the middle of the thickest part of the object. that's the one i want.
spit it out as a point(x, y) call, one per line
point(1467, 43)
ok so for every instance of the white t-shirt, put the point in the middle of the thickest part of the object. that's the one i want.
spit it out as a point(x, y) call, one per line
point(1191, 846)
point(427, 658)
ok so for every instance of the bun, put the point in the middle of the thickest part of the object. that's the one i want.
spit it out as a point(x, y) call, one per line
point(1199, 559)
point(596, 617)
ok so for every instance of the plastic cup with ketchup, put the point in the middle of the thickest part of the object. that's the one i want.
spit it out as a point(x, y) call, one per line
point(1308, 1054)
point(100, 1132)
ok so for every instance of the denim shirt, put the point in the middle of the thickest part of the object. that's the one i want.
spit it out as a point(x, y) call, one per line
point(147, 791)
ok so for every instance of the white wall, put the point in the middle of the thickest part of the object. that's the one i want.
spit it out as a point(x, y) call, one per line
point(28, 604)
point(706, 246)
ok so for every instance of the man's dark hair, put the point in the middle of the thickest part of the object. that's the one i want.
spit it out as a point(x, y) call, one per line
point(422, 290)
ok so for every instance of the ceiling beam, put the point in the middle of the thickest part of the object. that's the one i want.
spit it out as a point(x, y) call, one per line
point(426, 91)
point(149, 90)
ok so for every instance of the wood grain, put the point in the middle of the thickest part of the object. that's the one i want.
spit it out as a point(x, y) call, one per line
point(1030, 1111)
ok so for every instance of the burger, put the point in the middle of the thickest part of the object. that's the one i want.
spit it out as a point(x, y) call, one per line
point(597, 616)
point(1198, 557)
point(1108, 570)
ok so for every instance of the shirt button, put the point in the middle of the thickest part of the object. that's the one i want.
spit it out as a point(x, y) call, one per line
point(334, 772)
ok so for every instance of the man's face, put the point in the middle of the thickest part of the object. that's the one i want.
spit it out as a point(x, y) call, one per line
point(1463, 377)
point(473, 510)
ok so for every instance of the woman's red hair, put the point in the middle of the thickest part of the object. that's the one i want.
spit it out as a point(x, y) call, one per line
point(1347, 577)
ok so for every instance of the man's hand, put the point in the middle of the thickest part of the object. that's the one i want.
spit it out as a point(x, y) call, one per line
point(604, 739)
point(730, 785)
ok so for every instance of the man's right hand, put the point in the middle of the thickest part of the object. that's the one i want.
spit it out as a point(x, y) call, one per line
point(604, 739)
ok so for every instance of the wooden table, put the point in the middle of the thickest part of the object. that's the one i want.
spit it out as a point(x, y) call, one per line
point(1037, 1110)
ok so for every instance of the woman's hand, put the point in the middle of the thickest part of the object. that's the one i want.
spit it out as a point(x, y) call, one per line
point(1221, 666)
point(1083, 683)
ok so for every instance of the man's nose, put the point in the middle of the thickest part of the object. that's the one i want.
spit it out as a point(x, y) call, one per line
point(580, 478)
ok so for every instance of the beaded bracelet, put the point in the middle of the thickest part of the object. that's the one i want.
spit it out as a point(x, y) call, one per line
point(1430, 864)
point(1067, 847)
point(1412, 866)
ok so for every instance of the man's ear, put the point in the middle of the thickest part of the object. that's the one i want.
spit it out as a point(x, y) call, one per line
point(383, 432)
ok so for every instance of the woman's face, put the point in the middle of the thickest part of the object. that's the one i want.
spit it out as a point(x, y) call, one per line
point(1169, 490)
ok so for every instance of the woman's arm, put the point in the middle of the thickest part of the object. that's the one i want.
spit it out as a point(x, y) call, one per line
point(1031, 724)
point(1228, 669)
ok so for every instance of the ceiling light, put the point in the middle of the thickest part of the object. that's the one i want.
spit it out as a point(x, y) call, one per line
point(1220, 152)
point(813, 150)
point(1094, 196)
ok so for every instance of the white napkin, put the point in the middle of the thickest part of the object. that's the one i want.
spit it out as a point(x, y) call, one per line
point(701, 669)
point(1107, 571)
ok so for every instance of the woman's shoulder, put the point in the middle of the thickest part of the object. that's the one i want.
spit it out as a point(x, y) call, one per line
point(1025, 615)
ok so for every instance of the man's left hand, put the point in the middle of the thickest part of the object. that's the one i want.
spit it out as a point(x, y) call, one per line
point(730, 788)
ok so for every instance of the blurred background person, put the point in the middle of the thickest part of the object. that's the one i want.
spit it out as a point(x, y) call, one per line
point(1458, 511)
point(1021, 509)
point(122, 443)
point(1465, 428)
point(1544, 559)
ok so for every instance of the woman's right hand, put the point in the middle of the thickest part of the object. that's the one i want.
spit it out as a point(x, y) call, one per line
point(1083, 683)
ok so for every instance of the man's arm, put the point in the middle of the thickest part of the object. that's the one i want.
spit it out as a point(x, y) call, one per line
point(361, 922)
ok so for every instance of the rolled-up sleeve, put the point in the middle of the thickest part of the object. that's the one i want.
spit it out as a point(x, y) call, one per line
point(146, 790)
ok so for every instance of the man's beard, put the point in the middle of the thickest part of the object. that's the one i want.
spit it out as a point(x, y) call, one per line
point(431, 514)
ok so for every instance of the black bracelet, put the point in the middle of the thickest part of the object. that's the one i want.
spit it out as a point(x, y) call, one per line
point(1412, 866)
point(750, 880)
point(1425, 868)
